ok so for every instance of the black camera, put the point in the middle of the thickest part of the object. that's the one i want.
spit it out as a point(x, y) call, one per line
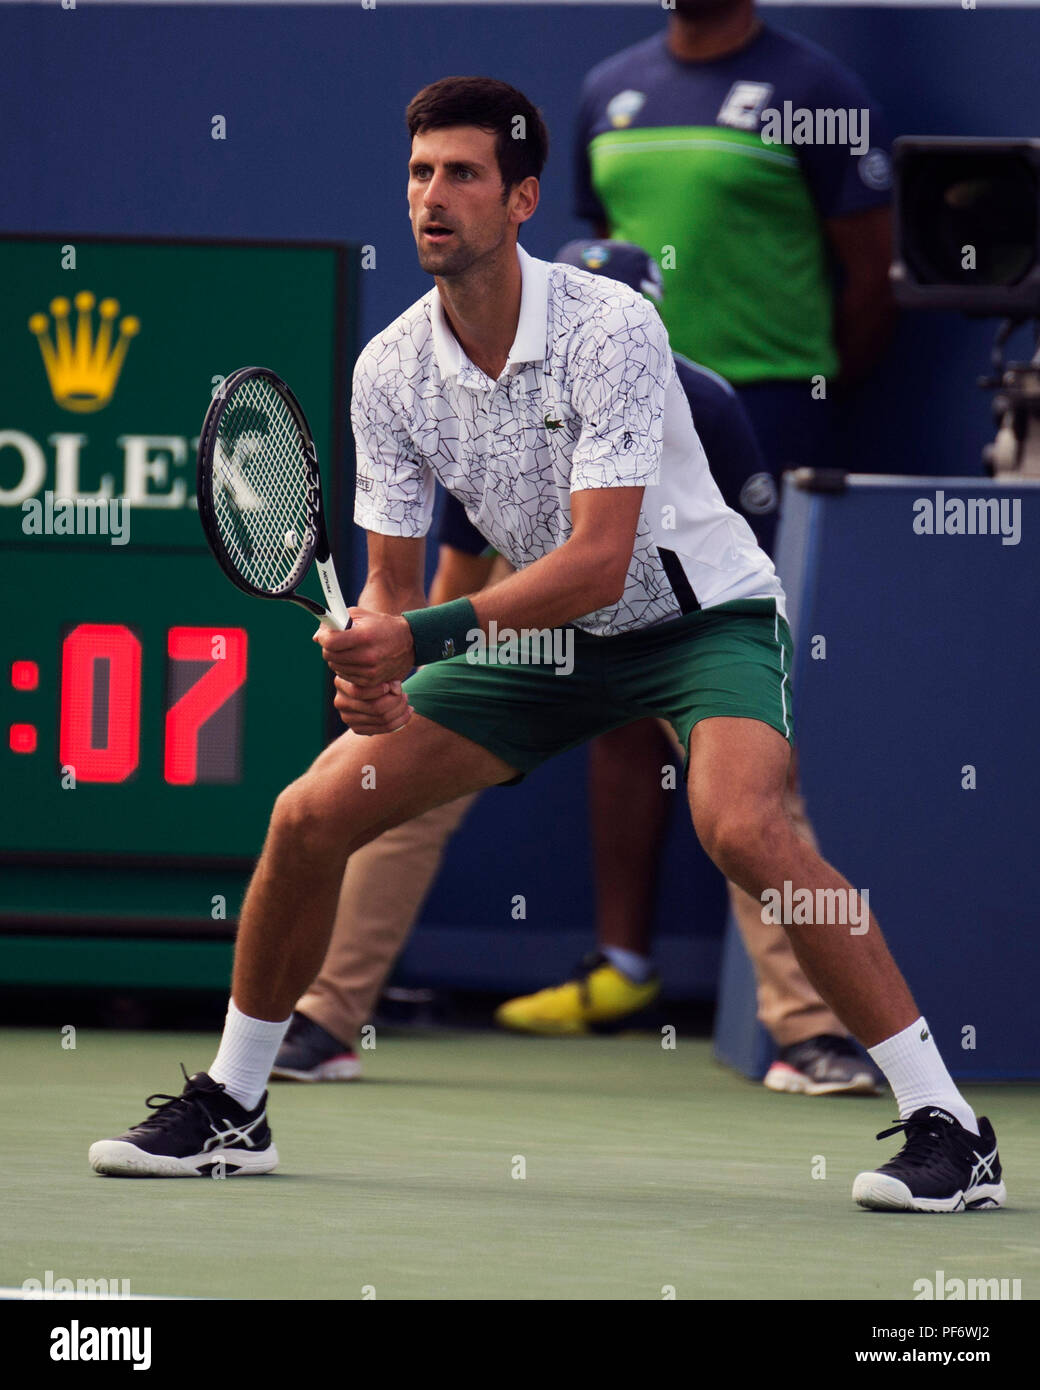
point(967, 237)
point(967, 225)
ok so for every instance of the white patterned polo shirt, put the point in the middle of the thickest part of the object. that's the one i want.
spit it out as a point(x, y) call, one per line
point(588, 398)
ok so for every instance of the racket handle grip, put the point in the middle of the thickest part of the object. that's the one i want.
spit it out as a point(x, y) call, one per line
point(329, 621)
point(336, 615)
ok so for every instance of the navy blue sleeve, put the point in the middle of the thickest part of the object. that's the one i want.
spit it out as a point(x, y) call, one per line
point(733, 451)
point(456, 529)
point(586, 204)
point(854, 177)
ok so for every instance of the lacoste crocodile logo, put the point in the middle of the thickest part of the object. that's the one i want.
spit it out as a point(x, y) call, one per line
point(553, 424)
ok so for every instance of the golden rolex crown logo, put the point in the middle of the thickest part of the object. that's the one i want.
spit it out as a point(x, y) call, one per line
point(83, 370)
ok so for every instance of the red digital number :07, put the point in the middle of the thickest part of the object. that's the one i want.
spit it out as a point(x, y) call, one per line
point(100, 738)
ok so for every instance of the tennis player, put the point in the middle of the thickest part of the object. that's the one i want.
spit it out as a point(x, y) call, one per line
point(546, 401)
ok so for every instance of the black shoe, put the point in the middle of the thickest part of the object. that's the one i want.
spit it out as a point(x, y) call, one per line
point(310, 1053)
point(200, 1133)
point(824, 1066)
point(941, 1167)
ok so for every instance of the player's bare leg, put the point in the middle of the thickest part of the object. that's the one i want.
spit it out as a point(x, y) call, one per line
point(949, 1162)
point(738, 769)
point(355, 790)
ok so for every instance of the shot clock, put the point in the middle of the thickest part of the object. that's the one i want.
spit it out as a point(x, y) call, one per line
point(150, 712)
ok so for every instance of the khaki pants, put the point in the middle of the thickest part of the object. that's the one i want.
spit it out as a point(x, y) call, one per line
point(386, 884)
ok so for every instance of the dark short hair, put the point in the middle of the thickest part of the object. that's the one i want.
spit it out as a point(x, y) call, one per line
point(492, 106)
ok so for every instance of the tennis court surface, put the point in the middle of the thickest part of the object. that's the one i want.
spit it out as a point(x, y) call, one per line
point(471, 1165)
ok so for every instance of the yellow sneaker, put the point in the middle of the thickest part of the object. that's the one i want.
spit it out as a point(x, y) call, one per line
point(600, 994)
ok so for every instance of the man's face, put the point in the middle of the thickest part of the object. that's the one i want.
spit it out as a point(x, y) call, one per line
point(455, 198)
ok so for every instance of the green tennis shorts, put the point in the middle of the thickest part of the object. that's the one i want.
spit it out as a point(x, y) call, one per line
point(528, 700)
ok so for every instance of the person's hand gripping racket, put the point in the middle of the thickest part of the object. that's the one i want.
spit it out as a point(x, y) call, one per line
point(369, 662)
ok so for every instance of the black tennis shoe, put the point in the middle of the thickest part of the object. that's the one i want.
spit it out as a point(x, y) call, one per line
point(942, 1167)
point(310, 1053)
point(824, 1066)
point(201, 1133)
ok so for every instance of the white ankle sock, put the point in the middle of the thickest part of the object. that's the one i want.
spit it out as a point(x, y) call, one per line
point(918, 1075)
point(246, 1055)
point(636, 967)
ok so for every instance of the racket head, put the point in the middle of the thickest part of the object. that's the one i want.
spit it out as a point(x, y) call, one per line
point(258, 485)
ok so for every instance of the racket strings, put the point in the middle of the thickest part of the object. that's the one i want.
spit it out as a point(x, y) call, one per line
point(264, 490)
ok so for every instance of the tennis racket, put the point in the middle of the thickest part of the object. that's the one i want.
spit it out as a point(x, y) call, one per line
point(259, 491)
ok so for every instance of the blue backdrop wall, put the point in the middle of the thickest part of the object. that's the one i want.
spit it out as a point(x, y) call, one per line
point(106, 116)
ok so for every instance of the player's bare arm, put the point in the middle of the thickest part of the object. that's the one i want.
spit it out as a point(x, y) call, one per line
point(394, 583)
point(584, 574)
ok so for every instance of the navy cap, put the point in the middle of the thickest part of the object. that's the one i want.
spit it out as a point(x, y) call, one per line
point(618, 260)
